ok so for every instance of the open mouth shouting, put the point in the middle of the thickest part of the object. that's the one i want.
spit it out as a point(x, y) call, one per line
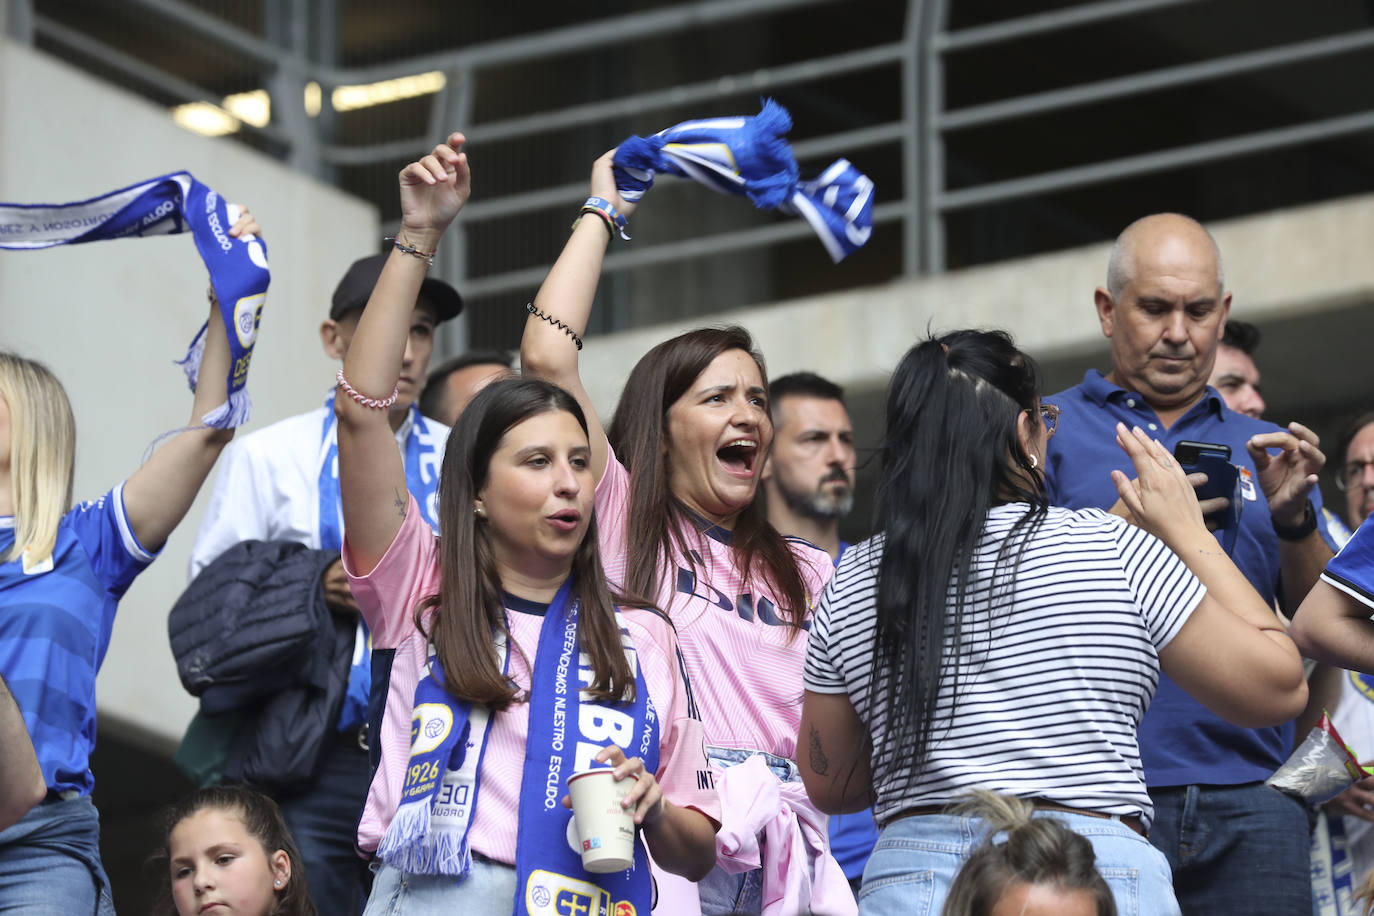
point(738, 457)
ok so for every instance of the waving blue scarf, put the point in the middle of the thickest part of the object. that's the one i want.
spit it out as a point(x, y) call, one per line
point(166, 206)
point(748, 156)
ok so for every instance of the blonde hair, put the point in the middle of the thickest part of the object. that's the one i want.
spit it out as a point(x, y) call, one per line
point(1035, 851)
point(42, 454)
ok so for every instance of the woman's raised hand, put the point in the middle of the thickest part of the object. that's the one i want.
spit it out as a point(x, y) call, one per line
point(433, 190)
point(645, 797)
point(1160, 497)
point(603, 185)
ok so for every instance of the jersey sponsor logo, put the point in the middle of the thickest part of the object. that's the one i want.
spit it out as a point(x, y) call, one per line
point(744, 605)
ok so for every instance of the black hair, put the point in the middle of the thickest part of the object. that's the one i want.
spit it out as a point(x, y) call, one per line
point(950, 454)
point(432, 397)
point(1348, 434)
point(1241, 335)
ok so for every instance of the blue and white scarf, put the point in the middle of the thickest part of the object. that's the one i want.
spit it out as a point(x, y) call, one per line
point(422, 459)
point(166, 206)
point(429, 834)
point(748, 156)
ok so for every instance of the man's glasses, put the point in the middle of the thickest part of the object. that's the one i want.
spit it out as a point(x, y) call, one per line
point(1350, 476)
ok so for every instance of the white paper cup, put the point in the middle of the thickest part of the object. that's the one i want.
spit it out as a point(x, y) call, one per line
point(605, 830)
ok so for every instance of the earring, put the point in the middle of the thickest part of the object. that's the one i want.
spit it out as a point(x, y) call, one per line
point(1034, 462)
point(479, 512)
point(279, 882)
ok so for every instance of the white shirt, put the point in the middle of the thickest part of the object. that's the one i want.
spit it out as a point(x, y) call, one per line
point(268, 483)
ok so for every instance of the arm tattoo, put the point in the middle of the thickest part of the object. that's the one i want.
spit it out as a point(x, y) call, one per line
point(820, 764)
point(401, 503)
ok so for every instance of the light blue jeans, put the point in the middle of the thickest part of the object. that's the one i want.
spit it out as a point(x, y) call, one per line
point(916, 859)
point(488, 890)
point(50, 863)
point(724, 893)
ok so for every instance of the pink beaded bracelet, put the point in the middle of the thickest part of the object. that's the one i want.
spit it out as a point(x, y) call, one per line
point(355, 394)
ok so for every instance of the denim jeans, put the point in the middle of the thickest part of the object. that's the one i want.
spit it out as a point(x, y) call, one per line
point(916, 859)
point(50, 863)
point(721, 892)
point(488, 890)
point(323, 819)
point(1235, 849)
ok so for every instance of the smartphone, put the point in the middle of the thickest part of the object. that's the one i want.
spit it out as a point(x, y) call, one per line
point(1214, 460)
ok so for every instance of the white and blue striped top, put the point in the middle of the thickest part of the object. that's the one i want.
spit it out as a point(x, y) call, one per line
point(1055, 675)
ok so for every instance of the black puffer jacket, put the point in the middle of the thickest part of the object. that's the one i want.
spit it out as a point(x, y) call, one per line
point(252, 633)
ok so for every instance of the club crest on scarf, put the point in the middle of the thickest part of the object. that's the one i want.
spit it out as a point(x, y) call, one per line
point(168, 205)
point(748, 156)
point(567, 728)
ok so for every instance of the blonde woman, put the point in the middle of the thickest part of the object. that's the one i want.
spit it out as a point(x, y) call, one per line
point(62, 573)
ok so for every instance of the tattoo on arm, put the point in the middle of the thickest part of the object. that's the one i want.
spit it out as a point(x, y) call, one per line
point(820, 764)
point(401, 503)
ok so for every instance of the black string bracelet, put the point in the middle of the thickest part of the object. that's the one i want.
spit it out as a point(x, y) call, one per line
point(565, 328)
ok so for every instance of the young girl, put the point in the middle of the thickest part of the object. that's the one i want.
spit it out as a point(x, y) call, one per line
point(229, 853)
point(62, 573)
point(480, 632)
point(1029, 866)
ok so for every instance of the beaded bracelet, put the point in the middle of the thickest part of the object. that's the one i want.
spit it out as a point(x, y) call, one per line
point(545, 316)
point(603, 207)
point(403, 248)
point(374, 403)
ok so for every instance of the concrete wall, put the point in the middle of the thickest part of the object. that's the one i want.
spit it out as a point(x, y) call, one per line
point(1304, 263)
point(109, 318)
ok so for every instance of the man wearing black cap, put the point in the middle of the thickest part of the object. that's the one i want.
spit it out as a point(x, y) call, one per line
point(281, 483)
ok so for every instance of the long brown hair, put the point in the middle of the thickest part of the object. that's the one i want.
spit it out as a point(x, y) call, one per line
point(469, 605)
point(657, 519)
point(264, 822)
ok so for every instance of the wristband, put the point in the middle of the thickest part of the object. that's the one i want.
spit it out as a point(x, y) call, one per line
point(603, 207)
point(1302, 529)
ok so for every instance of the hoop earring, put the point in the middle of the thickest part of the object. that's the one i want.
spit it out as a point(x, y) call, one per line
point(1034, 462)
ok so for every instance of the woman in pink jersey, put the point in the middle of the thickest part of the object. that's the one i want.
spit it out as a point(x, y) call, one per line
point(489, 632)
point(679, 523)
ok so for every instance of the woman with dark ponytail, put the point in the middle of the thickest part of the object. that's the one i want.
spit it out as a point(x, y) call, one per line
point(985, 640)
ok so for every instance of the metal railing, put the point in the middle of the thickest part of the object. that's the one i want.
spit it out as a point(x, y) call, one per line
point(919, 60)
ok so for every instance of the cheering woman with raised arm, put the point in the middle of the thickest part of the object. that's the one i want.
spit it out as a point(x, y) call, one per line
point(985, 640)
point(677, 480)
point(481, 630)
point(62, 573)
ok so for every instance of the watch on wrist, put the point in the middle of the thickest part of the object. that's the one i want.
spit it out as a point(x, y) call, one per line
point(1302, 529)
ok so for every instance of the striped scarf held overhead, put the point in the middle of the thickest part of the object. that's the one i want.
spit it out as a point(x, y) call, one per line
point(748, 156)
point(167, 205)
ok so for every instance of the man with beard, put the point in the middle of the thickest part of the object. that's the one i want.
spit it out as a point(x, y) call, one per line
point(809, 479)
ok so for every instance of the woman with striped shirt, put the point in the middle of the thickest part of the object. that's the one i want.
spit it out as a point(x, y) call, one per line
point(985, 640)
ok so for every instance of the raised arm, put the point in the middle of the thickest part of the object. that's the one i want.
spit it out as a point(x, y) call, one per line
point(1232, 655)
point(159, 494)
point(21, 780)
point(547, 351)
point(372, 481)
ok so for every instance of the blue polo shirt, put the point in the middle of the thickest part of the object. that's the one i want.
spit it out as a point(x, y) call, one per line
point(1181, 743)
point(55, 622)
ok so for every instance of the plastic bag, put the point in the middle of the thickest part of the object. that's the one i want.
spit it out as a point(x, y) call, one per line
point(1321, 768)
